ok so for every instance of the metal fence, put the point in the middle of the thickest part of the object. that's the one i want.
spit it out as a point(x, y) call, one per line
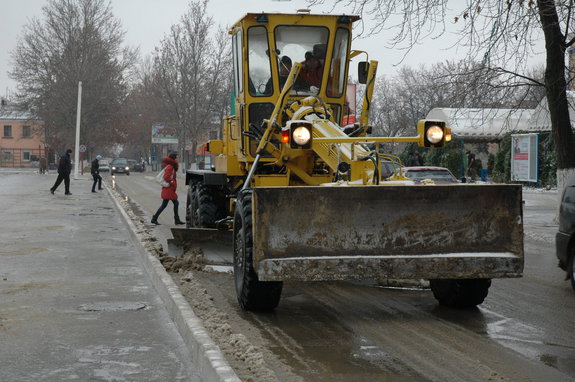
point(10, 157)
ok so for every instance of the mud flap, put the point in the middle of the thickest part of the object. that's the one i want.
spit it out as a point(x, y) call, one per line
point(367, 232)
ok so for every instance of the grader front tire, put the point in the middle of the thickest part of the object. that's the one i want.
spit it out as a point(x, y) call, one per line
point(252, 294)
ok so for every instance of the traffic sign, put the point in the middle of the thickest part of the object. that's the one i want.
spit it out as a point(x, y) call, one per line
point(82, 148)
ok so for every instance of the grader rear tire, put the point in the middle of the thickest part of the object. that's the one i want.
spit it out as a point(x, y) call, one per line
point(252, 294)
point(201, 209)
point(460, 293)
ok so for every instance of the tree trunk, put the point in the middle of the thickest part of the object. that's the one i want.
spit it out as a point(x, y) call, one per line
point(556, 85)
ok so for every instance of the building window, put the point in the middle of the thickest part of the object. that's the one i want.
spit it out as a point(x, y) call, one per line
point(7, 131)
point(7, 155)
point(26, 132)
point(26, 155)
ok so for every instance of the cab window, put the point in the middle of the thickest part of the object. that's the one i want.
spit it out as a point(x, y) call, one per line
point(337, 79)
point(237, 55)
point(306, 45)
point(260, 77)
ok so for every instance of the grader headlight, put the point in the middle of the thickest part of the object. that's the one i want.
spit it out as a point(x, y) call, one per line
point(300, 136)
point(433, 133)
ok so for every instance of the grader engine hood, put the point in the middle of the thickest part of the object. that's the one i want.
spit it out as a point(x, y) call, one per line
point(363, 232)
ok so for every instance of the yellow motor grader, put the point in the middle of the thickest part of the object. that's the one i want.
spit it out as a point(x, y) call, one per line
point(308, 199)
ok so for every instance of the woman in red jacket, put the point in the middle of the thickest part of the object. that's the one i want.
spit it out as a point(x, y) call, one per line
point(170, 163)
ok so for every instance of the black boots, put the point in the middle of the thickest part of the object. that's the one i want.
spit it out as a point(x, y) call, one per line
point(177, 220)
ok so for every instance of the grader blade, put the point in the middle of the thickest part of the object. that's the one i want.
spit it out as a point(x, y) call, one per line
point(216, 245)
point(371, 232)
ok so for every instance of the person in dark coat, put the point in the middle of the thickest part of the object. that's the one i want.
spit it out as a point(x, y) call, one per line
point(170, 163)
point(284, 69)
point(42, 165)
point(95, 171)
point(64, 169)
point(419, 158)
point(471, 166)
point(412, 160)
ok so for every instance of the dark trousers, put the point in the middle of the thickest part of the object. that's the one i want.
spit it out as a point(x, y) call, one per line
point(66, 179)
point(97, 180)
point(165, 204)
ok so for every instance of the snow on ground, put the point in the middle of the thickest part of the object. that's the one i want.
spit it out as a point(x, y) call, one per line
point(246, 359)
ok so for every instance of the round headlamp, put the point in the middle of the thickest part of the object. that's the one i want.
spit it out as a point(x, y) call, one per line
point(301, 135)
point(434, 134)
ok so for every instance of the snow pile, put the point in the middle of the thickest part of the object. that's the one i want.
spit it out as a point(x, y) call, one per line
point(246, 359)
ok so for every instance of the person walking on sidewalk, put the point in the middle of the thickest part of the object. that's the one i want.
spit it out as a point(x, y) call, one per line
point(42, 165)
point(170, 164)
point(64, 169)
point(95, 170)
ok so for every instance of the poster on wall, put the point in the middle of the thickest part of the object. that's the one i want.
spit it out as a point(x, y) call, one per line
point(524, 153)
point(164, 134)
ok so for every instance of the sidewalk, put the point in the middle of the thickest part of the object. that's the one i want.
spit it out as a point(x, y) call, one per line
point(76, 302)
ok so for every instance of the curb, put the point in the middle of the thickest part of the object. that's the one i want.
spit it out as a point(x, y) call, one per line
point(212, 365)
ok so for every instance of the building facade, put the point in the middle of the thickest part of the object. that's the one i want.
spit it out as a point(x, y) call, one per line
point(21, 138)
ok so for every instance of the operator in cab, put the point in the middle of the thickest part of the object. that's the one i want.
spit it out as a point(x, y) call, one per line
point(285, 65)
point(311, 72)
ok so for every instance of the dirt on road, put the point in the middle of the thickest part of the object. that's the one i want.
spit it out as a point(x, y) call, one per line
point(342, 331)
point(249, 357)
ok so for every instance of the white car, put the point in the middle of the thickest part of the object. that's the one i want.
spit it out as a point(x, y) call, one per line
point(104, 165)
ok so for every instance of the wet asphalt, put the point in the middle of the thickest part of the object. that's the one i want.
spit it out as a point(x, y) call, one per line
point(75, 300)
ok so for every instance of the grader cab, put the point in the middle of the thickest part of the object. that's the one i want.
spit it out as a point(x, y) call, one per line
point(305, 197)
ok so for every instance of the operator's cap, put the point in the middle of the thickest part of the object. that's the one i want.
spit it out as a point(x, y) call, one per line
point(98, 157)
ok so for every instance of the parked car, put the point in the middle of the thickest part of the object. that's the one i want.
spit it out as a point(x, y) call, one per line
point(131, 164)
point(564, 245)
point(141, 166)
point(431, 174)
point(104, 165)
point(136, 166)
point(120, 166)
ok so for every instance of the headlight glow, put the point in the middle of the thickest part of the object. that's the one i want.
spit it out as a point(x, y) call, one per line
point(434, 134)
point(113, 167)
point(127, 168)
point(301, 135)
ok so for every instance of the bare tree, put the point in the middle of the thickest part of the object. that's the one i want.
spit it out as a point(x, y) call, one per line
point(500, 33)
point(76, 40)
point(142, 108)
point(193, 64)
point(400, 101)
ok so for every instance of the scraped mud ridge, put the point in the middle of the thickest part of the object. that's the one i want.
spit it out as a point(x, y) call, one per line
point(247, 360)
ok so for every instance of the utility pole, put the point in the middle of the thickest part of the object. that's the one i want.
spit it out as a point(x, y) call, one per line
point(77, 148)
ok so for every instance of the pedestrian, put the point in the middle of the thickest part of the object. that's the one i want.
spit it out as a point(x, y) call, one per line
point(170, 164)
point(412, 160)
point(471, 166)
point(42, 165)
point(95, 171)
point(419, 158)
point(64, 169)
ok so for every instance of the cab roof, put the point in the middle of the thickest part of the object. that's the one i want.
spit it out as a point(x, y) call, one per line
point(255, 16)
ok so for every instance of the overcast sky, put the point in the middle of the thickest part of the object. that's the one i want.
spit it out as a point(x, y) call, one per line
point(146, 22)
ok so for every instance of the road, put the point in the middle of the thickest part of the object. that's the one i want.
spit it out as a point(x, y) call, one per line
point(76, 301)
point(360, 331)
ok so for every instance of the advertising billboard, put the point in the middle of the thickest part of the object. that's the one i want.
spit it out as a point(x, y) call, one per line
point(524, 150)
point(164, 134)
